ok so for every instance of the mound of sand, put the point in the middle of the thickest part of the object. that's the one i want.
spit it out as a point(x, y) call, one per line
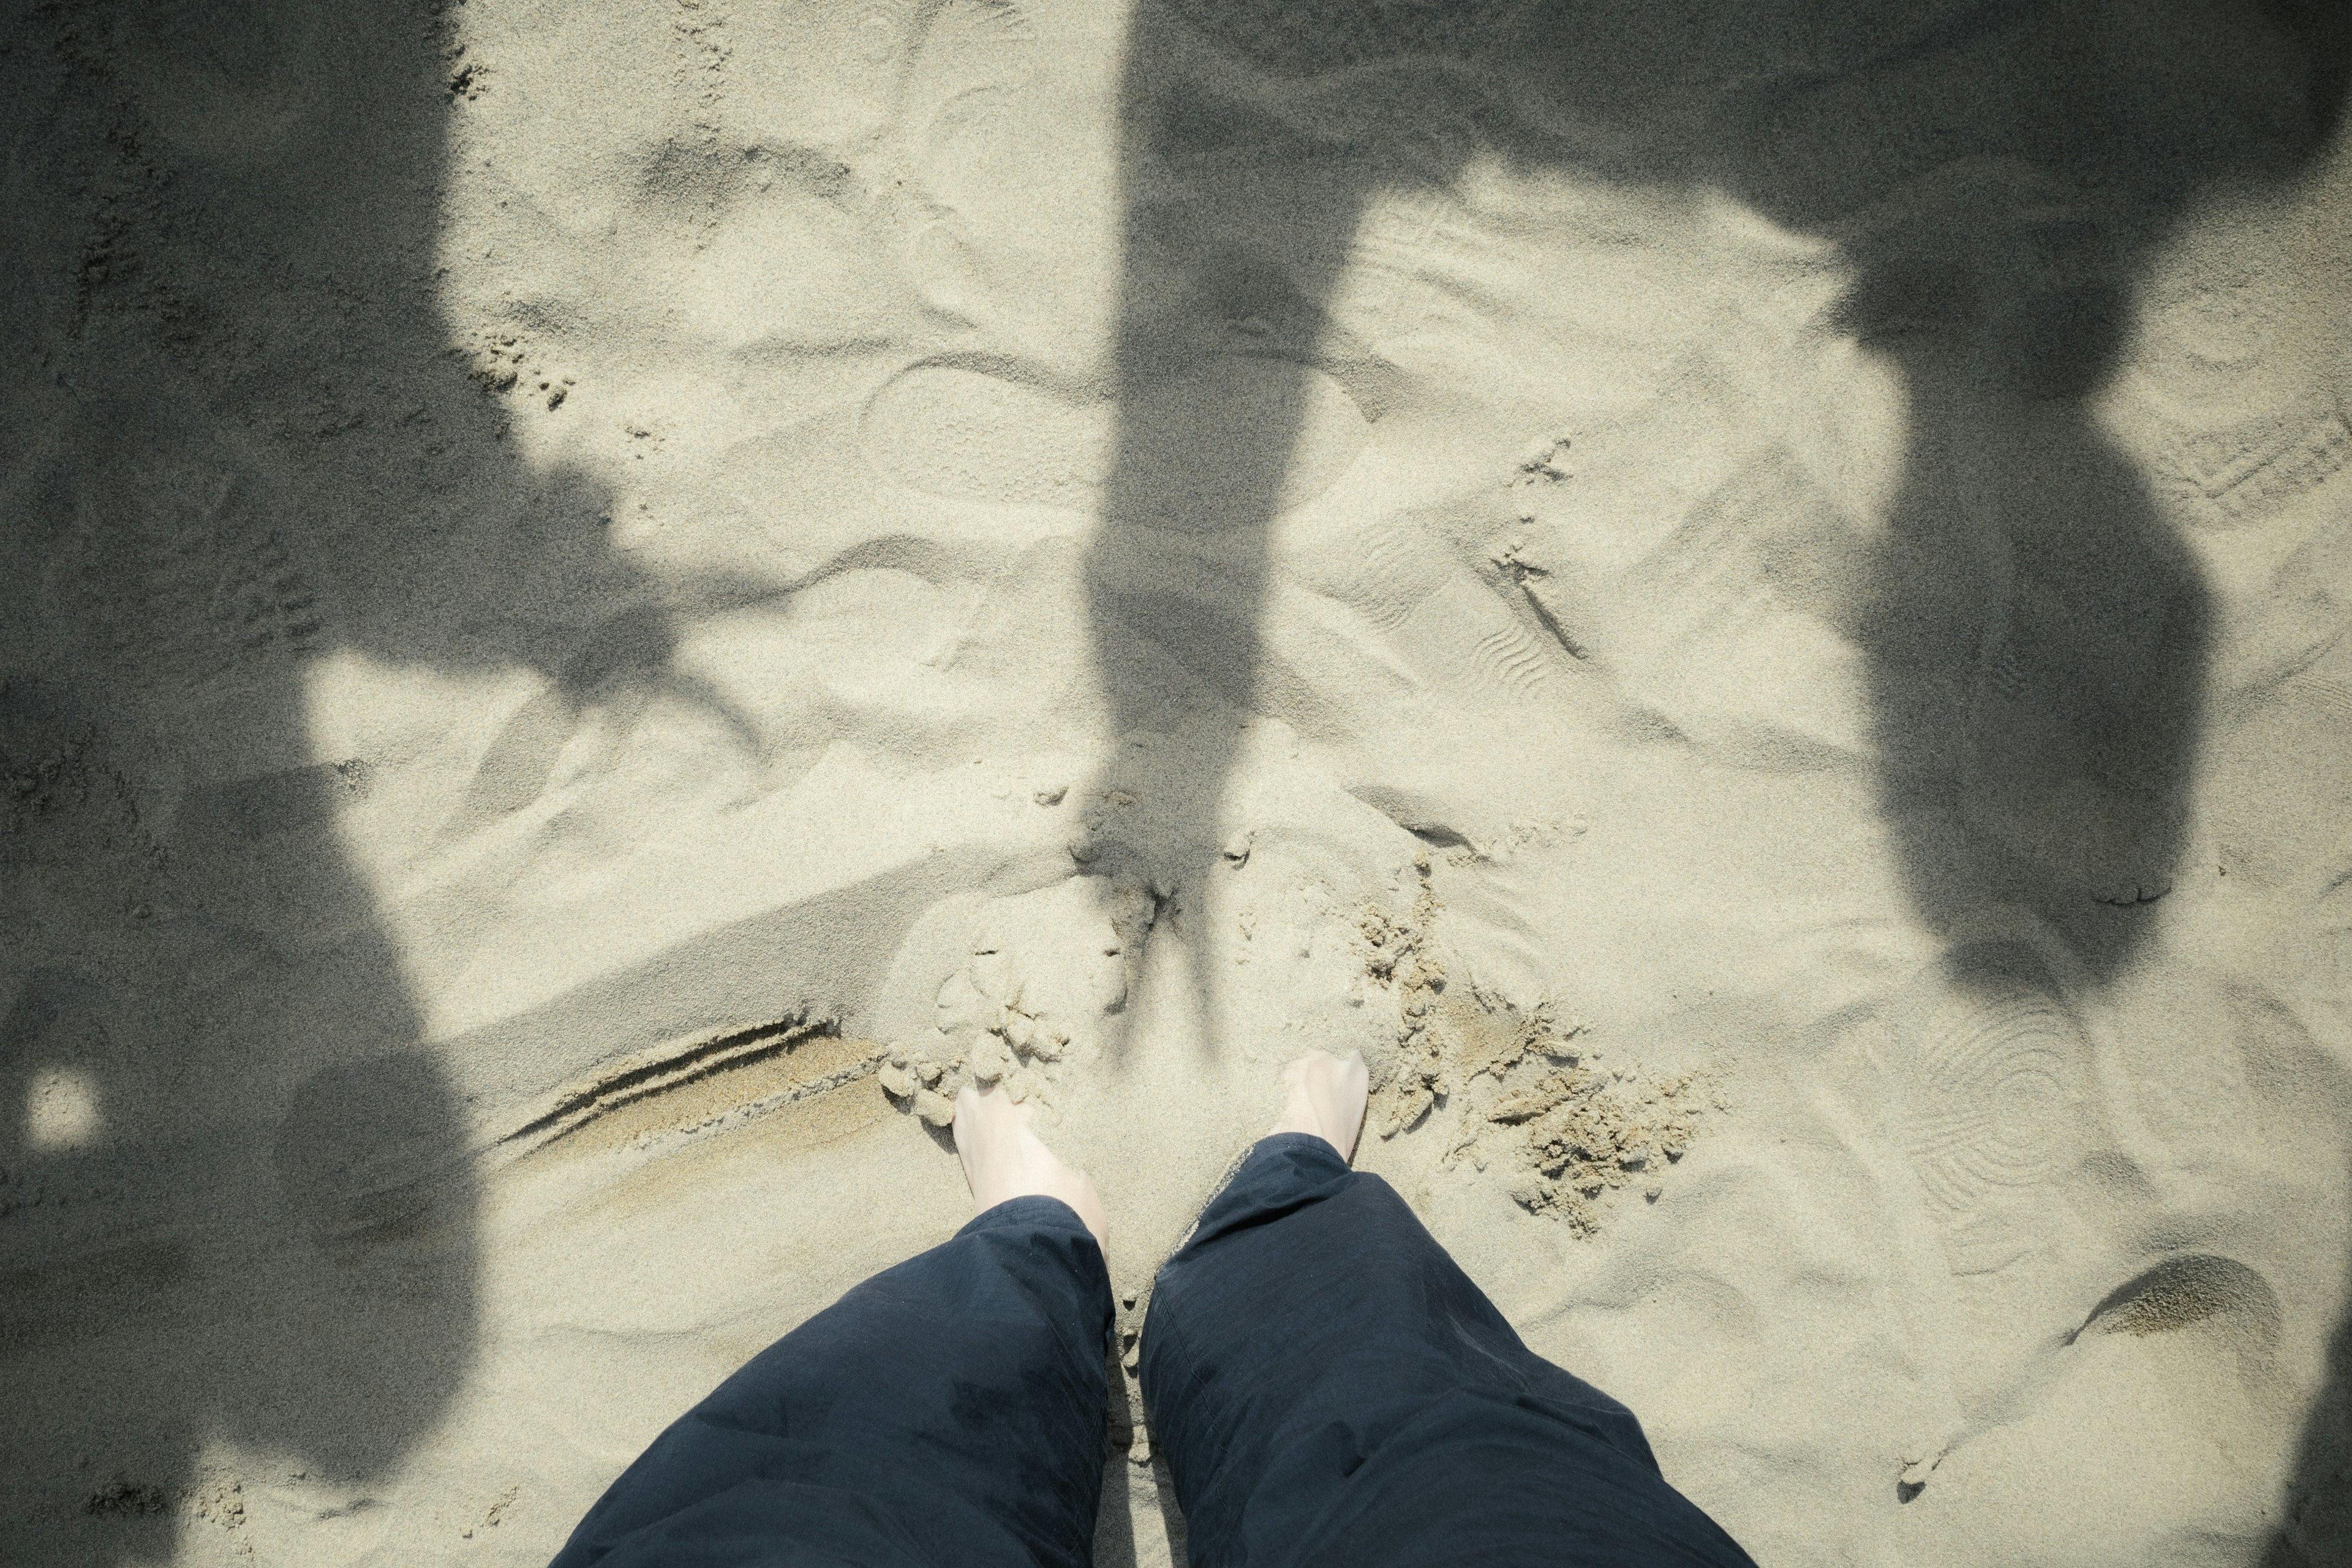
point(610, 601)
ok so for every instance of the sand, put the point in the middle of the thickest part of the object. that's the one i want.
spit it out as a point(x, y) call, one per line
point(607, 602)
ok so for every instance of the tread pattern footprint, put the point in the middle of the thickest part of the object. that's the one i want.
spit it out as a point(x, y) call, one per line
point(175, 577)
point(1993, 1088)
point(79, 841)
point(1387, 569)
point(1465, 624)
point(969, 46)
point(1515, 660)
point(1731, 628)
point(2253, 470)
point(1395, 575)
point(969, 434)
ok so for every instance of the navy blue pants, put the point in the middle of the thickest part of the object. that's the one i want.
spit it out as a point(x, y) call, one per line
point(1326, 1385)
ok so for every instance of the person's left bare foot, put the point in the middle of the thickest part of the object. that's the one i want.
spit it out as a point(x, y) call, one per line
point(1004, 1159)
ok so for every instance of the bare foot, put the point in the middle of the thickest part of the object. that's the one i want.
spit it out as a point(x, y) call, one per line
point(1327, 1098)
point(1003, 1159)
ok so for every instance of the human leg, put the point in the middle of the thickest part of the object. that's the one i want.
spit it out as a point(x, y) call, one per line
point(1329, 1388)
point(948, 1410)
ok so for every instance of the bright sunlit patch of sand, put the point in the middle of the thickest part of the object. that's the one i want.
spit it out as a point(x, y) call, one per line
point(61, 1110)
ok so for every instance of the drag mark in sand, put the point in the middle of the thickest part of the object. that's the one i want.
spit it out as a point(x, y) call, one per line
point(726, 1075)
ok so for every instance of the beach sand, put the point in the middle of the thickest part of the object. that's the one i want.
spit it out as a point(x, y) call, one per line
point(608, 602)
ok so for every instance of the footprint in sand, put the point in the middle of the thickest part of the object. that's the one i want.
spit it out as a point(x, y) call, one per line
point(239, 99)
point(2183, 1292)
point(2251, 472)
point(1513, 659)
point(2174, 1375)
point(2233, 425)
point(177, 575)
point(973, 436)
point(85, 858)
point(1469, 636)
point(1437, 617)
point(967, 46)
point(1737, 627)
point(1223, 443)
point(2000, 1117)
point(1993, 1084)
point(264, 852)
point(2193, 1343)
point(2280, 786)
point(966, 66)
point(1384, 570)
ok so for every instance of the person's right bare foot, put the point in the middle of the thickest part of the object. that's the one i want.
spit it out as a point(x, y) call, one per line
point(1327, 1098)
point(1004, 1159)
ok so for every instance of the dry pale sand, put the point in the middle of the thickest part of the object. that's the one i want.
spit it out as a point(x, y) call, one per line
point(604, 601)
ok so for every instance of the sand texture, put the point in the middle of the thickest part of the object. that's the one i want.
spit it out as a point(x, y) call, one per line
point(606, 602)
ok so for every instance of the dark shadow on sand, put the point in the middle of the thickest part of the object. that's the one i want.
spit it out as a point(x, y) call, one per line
point(2314, 1515)
point(1997, 176)
point(241, 437)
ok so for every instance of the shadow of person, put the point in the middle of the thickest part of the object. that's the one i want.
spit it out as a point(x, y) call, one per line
point(2033, 636)
point(1174, 580)
point(239, 1231)
point(237, 1211)
point(2036, 649)
point(1997, 180)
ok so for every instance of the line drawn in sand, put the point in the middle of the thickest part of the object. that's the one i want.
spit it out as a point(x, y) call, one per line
point(700, 1082)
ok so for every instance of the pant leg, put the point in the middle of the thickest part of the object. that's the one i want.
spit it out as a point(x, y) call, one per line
point(948, 1411)
point(1329, 1388)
